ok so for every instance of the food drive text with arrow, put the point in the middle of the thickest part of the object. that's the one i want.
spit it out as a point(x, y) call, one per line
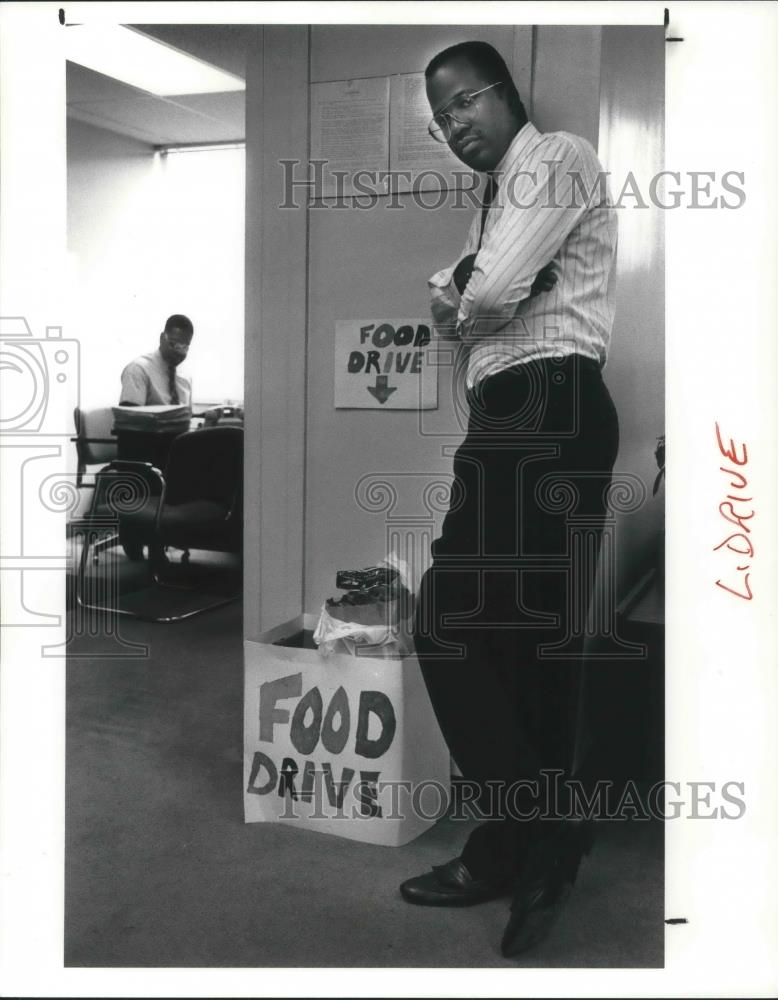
point(384, 336)
point(385, 362)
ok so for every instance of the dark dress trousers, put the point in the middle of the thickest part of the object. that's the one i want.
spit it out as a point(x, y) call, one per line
point(498, 625)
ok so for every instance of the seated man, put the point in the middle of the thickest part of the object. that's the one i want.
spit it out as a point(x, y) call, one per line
point(152, 379)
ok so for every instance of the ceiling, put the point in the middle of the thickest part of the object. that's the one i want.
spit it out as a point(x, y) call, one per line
point(163, 121)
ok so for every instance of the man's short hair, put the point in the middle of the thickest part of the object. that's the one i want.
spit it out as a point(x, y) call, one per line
point(488, 62)
point(179, 322)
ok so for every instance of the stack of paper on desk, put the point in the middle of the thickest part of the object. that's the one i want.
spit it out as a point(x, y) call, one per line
point(151, 419)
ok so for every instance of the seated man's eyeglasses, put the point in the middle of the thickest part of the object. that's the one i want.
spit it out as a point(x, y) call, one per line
point(177, 341)
point(462, 109)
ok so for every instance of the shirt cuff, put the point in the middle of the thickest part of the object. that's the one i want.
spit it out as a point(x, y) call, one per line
point(444, 302)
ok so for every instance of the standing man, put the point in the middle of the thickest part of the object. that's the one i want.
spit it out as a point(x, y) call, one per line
point(498, 627)
point(153, 379)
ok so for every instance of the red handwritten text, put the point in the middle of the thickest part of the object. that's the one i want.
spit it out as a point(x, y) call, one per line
point(736, 510)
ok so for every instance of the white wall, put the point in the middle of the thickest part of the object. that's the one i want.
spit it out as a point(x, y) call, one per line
point(204, 264)
point(566, 80)
point(148, 239)
point(276, 329)
point(632, 140)
point(112, 204)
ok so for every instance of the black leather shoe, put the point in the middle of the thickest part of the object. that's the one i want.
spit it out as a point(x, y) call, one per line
point(534, 910)
point(450, 885)
point(544, 886)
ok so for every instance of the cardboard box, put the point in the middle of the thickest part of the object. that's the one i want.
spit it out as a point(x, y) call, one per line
point(346, 745)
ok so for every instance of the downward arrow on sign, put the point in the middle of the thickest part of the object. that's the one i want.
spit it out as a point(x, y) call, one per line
point(382, 390)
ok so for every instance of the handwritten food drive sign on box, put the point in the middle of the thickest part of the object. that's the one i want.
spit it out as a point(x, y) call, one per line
point(344, 745)
point(385, 364)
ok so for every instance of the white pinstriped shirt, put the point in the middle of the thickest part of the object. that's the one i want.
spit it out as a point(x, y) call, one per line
point(552, 204)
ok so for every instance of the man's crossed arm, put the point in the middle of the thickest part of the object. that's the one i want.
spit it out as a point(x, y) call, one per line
point(544, 282)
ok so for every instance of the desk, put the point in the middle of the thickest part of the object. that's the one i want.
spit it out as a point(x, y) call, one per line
point(142, 446)
point(221, 413)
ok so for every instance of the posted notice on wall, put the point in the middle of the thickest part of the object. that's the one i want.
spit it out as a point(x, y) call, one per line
point(412, 148)
point(350, 130)
point(385, 364)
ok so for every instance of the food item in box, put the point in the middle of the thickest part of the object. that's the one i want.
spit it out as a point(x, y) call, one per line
point(364, 579)
point(373, 618)
point(380, 599)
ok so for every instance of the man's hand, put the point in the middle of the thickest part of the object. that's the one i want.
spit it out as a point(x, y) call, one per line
point(544, 282)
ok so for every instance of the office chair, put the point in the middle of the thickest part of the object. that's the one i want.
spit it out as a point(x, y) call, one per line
point(203, 504)
point(198, 504)
point(93, 440)
point(125, 508)
point(202, 508)
point(95, 445)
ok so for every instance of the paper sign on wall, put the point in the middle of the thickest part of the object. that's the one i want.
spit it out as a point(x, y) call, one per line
point(385, 364)
point(349, 130)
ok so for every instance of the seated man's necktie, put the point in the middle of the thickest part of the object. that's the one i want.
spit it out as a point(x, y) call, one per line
point(171, 375)
point(489, 193)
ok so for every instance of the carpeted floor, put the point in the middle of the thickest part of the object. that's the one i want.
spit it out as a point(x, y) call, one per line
point(162, 871)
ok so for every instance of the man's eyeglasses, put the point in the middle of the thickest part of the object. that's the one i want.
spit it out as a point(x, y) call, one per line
point(176, 341)
point(462, 109)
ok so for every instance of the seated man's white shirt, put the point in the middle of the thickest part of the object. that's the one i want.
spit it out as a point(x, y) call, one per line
point(552, 204)
point(146, 382)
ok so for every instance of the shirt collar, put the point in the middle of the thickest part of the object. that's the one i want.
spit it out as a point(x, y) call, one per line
point(164, 365)
point(522, 145)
